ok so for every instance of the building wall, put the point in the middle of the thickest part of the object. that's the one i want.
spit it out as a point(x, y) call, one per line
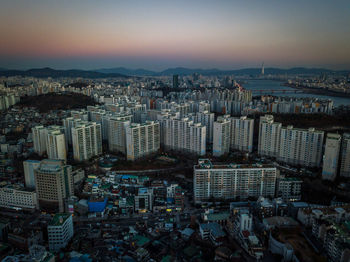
point(345, 156)
point(331, 156)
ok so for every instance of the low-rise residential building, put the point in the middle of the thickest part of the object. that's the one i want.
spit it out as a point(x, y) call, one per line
point(12, 196)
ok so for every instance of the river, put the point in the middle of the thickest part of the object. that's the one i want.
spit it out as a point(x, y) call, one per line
point(277, 85)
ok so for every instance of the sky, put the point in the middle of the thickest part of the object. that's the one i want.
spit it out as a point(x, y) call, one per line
point(157, 34)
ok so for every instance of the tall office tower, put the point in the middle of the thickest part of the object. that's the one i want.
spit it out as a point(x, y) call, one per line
point(331, 156)
point(206, 119)
point(222, 136)
point(232, 181)
point(53, 183)
point(242, 130)
point(87, 140)
point(28, 167)
point(262, 69)
point(269, 136)
point(183, 135)
point(175, 81)
point(142, 139)
point(345, 156)
point(56, 144)
point(301, 146)
point(39, 139)
point(60, 231)
point(117, 133)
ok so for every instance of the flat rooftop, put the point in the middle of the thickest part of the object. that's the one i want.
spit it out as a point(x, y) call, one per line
point(207, 164)
point(59, 219)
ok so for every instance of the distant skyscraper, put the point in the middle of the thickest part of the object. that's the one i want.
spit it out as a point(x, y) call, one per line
point(175, 81)
point(262, 69)
point(331, 156)
point(345, 156)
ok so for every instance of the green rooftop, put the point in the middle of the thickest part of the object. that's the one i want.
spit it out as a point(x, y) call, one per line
point(57, 221)
point(141, 240)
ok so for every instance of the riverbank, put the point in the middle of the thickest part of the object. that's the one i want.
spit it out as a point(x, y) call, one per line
point(319, 91)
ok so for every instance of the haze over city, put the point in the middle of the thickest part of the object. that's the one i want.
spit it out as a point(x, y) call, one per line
point(175, 131)
point(160, 34)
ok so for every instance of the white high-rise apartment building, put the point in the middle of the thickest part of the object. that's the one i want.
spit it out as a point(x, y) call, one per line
point(117, 132)
point(39, 139)
point(242, 133)
point(345, 156)
point(60, 231)
point(331, 156)
point(28, 167)
point(300, 146)
point(269, 136)
point(53, 183)
point(87, 140)
point(206, 119)
point(183, 135)
point(222, 136)
point(142, 139)
point(56, 144)
point(232, 181)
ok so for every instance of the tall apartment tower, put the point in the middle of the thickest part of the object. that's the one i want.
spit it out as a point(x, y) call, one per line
point(301, 146)
point(269, 136)
point(183, 135)
point(206, 118)
point(222, 136)
point(87, 140)
point(331, 156)
point(117, 133)
point(242, 130)
point(56, 144)
point(345, 156)
point(39, 139)
point(142, 139)
point(53, 183)
point(28, 167)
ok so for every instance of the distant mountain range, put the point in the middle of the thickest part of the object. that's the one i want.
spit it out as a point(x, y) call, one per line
point(125, 72)
point(215, 71)
point(49, 72)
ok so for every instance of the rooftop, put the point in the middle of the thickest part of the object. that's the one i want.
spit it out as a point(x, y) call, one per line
point(59, 219)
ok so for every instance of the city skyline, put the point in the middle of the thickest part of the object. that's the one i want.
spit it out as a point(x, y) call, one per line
point(159, 34)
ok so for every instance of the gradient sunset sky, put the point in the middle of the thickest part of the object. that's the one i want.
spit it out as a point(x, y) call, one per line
point(155, 35)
